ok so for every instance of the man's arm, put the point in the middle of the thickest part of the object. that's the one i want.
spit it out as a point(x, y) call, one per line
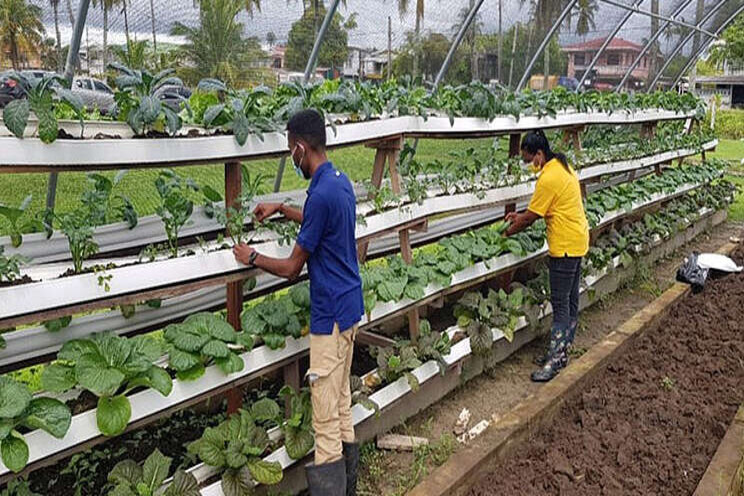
point(265, 210)
point(520, 221)
point(289, 268)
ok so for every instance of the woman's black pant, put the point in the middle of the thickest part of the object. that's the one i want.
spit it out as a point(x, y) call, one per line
point(565, 275)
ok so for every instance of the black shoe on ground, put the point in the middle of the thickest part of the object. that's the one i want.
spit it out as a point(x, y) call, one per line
point(328, 479)
point(551, 368)
point(351, 455)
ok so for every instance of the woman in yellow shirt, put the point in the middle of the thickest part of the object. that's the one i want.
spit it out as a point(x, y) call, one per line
point(557, 198)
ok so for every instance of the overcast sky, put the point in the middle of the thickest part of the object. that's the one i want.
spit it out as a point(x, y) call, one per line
point(278, 15)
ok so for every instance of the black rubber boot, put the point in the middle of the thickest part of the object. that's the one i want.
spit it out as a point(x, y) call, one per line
point(557, 357)
point(351, 455)
point(328, 479)
point(540, 360)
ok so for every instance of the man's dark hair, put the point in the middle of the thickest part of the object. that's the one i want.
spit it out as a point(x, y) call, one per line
point(308, 125)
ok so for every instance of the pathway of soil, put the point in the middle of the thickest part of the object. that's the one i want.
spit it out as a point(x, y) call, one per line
point(652, 421)
point(389, 472)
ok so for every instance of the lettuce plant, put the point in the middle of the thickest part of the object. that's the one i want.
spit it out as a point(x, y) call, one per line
point(298, 428)
point(19, 409)
point(175, 207)
point(477, 315)
point(235, 448)
point(19, 227)
point(42, 96)
point(275, 318)
point(10, 266)
point(130, 479)
point(244, 112)
point(201, 339)
point(108, 366)
point(138, 103)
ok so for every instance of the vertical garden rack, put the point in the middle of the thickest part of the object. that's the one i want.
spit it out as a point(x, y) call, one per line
point(385, 136)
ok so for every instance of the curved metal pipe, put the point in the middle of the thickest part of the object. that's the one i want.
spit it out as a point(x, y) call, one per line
point(649, 43)
point(682, 43)
point(635, 8)
point(606, 42)
point(456, 42)
point(319, 39)
point(544, 43)
point(705, 46)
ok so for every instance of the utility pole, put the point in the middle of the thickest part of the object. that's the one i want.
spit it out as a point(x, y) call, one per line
point(501, 34)
point(514, 48)
point(390, 48)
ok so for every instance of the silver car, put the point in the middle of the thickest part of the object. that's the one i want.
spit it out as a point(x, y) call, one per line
point(94, 93)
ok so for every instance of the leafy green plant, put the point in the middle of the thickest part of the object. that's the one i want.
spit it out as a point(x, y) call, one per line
point(10, 266)
point(235, 217)
point(360, 394)
point(108, 366)
point(201, 339)
point(477, 315)
point(243, 112)
point(19, 227)
point(104, 205)
point(79, 231)
point(138, 103)
point(275, 318)
point(175, 207)
point(130, 479)
point(42, 96)
point(18, 487)
point(235, 447)
point(298, 427)
point(432, 345)
point(19, 409)
point(396, 362)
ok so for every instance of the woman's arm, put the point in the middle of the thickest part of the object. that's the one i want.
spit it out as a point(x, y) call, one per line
point(520, 221)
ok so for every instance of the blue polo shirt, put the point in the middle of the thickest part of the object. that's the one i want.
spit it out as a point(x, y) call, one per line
point(328, 234)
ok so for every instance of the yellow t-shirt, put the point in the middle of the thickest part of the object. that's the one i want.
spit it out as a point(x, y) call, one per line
point(557, 198)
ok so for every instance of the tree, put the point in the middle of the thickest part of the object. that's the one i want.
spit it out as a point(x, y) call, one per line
point(270, 38)
point(21, 29)
point(435, 46)
point(333, 51)
point(217, 48)
point(134, 55)
point(403, 6)
point(106, 5)
point(55, 9)
point(732, 48)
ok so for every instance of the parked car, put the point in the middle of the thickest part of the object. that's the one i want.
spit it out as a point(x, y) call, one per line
point(9, 89)
point(95, 94)
point(173, 96)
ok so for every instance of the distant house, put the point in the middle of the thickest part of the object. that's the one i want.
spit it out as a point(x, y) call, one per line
point(276, 56)
point(27, 60)
point(365, 63)
point(612, 64)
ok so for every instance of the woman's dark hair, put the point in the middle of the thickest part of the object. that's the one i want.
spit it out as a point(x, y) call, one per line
point(536, 140)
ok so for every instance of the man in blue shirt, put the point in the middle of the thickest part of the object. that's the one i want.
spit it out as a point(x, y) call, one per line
point(327, 243)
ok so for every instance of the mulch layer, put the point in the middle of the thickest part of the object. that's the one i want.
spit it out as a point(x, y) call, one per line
point(651, 422)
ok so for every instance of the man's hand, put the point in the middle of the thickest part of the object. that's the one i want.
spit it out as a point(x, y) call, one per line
point(264, 210)
point(242, 253)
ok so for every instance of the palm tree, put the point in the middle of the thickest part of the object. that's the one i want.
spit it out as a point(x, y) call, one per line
point(106, 5)
point(70, 14)
point(216, 48)
point(403, 6)
point(21, 29)
point(270, 38)
point(134, 56)
point(126, 21)
point(55, 8)
point(154, 37)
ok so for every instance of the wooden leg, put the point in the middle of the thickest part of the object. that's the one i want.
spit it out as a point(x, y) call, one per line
point(292, 379)
point(234, 400)
point(514, 142)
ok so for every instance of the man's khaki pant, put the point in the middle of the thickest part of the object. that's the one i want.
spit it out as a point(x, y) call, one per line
point(330, 367)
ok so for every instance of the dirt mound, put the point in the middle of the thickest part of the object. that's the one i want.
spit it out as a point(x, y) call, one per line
point(650, 424)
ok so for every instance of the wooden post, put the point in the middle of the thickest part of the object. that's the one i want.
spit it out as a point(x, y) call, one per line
point(291, 374)
point(514, 142)
point(504, 280)
point(233, 185)
point(378, 172)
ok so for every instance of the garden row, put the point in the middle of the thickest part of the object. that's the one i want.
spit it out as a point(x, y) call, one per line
point(257, 111)
point(403, 368)
point(469, 190)
point(201, 340)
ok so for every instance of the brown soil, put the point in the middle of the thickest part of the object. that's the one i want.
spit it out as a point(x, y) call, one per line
point(510, 384)
point(16, 282)
point(652, 421)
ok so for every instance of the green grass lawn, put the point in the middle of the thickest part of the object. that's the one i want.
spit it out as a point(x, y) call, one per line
point(138, 185)
point(728, 149)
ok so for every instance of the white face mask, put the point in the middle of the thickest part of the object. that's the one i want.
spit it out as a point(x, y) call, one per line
point(298, 165)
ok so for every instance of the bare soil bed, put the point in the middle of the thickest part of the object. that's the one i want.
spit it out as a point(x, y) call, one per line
point(651, 422)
